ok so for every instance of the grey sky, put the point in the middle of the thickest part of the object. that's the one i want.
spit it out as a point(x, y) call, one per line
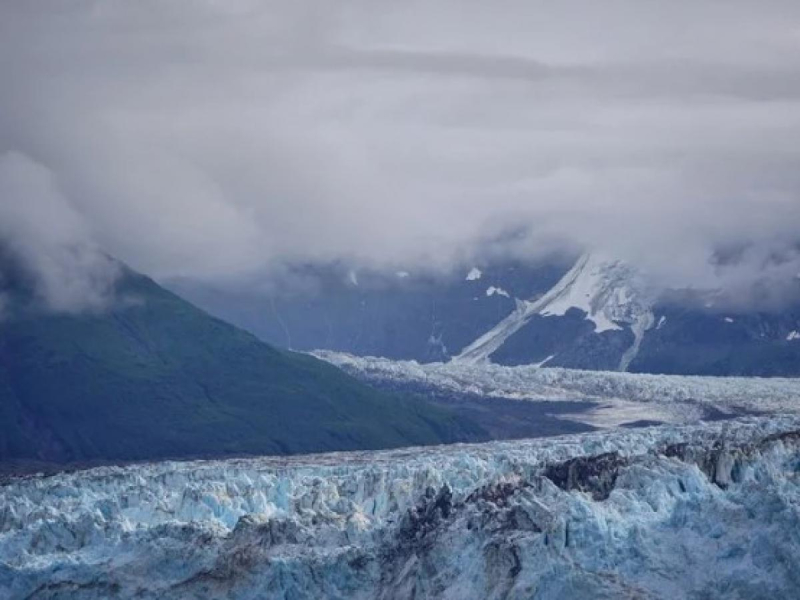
point(211, 138)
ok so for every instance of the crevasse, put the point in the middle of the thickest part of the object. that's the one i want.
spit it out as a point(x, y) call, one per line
point(709, 510)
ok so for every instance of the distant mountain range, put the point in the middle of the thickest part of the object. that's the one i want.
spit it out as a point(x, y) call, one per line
point(587, 313)
point(155, 377)
point(398, 315)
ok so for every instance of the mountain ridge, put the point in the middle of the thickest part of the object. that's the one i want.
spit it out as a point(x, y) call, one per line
point(591, 312)
point(155, 377)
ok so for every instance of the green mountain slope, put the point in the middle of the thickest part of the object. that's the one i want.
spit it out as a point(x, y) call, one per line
point(156, 377)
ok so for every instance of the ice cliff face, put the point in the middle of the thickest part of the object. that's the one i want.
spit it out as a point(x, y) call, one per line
point(709, 511)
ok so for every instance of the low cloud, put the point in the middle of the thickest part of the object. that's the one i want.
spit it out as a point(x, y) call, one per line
point(215, 140)
point(41, 230)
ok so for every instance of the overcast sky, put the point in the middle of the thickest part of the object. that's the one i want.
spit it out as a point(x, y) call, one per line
point(210, 138)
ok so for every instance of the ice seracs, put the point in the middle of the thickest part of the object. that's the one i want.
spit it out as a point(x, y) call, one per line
point(670, 512)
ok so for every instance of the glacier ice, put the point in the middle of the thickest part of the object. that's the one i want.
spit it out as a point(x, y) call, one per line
point(618, 397)
point(705, 511)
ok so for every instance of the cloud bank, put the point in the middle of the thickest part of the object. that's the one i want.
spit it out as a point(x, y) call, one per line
point(211, 140)
point(40, 229)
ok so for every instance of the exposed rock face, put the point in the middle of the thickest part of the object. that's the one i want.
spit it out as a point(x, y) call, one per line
point(705, 511)
point(594, 474)
point(400, 315)
point(590, 312)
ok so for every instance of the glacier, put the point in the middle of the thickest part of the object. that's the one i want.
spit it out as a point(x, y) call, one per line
point(708, 510)
point(617, 397)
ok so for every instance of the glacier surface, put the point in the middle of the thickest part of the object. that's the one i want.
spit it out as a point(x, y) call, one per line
point(692, 511)
point(617, 397)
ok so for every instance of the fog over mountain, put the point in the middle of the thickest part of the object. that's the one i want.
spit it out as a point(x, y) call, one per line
point(218, 140)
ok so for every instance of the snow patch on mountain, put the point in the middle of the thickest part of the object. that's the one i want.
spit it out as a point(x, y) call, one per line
point(492, 290)
point(706, 511)
point(481, 349)
point(474, 274)
point(610, 293)
point(639, 326)
point(600, 290)
point(545, 361)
